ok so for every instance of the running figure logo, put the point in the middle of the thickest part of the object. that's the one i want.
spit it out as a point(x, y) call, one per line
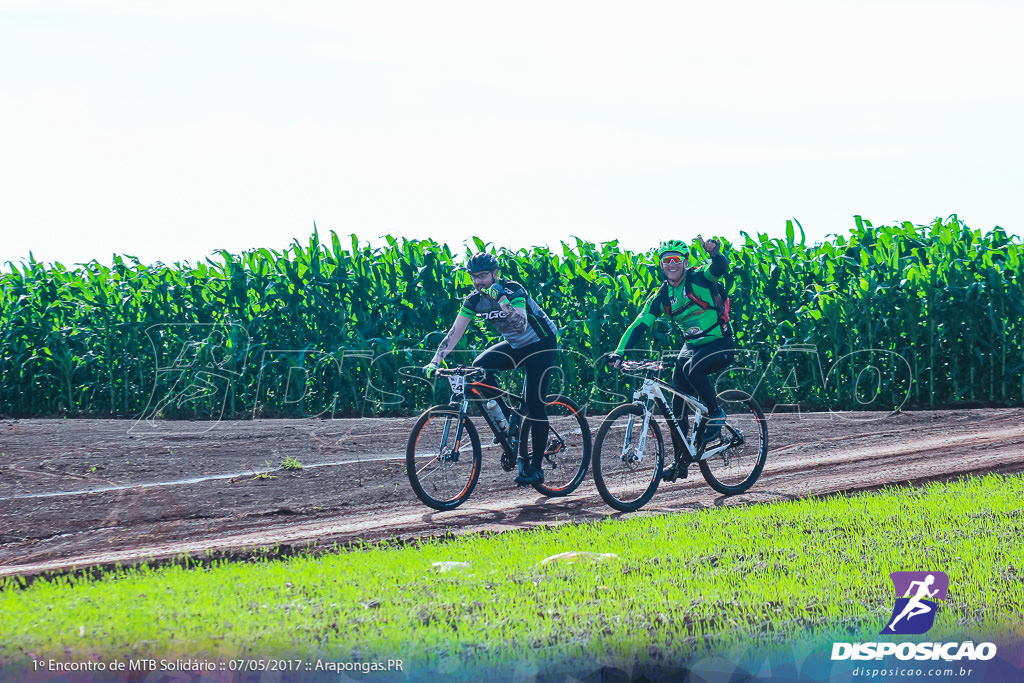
point(914, 612)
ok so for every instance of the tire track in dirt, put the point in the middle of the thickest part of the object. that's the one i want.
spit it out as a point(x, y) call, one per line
point(810, 457)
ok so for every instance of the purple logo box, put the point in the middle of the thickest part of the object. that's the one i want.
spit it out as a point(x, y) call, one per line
point(918, 595)
point(903, 580)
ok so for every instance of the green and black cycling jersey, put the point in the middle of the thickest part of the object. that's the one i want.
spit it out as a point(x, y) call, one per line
point(538, 325)
point(697, 316)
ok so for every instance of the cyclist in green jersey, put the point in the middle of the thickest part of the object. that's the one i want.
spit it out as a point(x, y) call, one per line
point(530, 341)
point(689, 296)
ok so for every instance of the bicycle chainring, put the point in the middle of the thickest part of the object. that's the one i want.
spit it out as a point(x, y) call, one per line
point(508, 462)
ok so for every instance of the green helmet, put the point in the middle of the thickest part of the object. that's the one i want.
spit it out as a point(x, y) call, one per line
point(674, 245)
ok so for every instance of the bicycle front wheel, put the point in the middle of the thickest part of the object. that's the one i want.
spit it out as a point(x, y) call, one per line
point(627, 476)
point(567, 455)
point(443, 471)
point(745, 437)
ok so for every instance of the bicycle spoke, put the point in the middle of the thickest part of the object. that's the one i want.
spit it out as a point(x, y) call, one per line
point(627, 476)
point(566, 450)
point(425, 466)
point(737, 457)
point(442, 471)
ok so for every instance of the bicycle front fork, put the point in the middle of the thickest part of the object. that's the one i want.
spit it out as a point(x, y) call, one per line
point(637, 454)
point(453, 452)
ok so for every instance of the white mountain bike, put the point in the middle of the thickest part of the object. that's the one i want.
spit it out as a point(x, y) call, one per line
point(629, 452)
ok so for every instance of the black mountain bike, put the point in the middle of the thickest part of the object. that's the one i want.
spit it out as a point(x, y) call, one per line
point(444, 453)
point(629, 453)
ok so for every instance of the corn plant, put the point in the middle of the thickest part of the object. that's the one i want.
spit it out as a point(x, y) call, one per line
point(333, 327)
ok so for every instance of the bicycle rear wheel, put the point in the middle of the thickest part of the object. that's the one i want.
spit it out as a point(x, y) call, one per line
point(735, 469)
point(625, 477)
point(443, 473)
point(567, 455)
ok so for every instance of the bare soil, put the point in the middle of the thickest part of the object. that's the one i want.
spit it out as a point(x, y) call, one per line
point(95, 493)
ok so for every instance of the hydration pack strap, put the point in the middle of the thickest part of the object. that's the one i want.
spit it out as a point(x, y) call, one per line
point(721, 306)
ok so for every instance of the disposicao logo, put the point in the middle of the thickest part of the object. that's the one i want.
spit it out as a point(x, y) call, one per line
point(918, 595)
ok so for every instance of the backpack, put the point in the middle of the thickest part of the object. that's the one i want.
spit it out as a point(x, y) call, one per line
point(720, 302)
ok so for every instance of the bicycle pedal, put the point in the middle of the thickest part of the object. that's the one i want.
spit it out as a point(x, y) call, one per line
point(680, 470)
point(529, 478)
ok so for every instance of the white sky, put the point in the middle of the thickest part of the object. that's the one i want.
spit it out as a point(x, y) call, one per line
point(167, 130)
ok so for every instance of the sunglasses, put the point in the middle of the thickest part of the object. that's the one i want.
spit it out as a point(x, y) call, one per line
point(672, 259)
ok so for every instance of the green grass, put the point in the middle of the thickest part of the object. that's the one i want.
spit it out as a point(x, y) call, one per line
point(291, 463)
point(681, 585)
point(263, 475)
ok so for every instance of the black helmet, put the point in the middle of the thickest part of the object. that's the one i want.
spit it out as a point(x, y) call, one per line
point(481, 262)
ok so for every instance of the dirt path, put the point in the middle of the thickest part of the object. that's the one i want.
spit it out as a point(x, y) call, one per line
point(89, 493)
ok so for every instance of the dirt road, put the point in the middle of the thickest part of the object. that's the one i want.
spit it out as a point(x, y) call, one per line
point(85, 493)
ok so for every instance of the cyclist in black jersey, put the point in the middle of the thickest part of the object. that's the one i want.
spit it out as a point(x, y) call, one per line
point(691, 299)
point(530, 341)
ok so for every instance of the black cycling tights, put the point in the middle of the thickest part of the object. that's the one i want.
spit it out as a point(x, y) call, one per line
point(539, 359)
point(691, 373)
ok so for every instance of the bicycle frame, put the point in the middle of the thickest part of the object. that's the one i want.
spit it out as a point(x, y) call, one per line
point(508, 439)
point(653, 391)
point(444, 453)
point(628, 467)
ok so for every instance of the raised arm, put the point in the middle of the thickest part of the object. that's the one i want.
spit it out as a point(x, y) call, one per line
point(515, 310)
point(719, 264)
point(511, 299)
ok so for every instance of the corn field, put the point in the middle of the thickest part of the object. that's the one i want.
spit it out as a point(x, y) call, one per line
point(883, 317)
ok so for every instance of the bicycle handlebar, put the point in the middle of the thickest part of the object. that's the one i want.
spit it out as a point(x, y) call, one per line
point(461, 370)
point(642, 365)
